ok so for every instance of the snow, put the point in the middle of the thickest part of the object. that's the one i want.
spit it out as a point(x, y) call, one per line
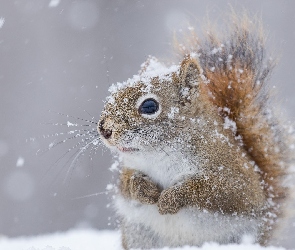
point(90, 239)
point(2, 21)
point(69, 124)
point(109, 187)
point(20, 162)
point(53, 3)
point(173, 111)
point(115, 166)
point(230, 124)
point(85, 239)
point(151, 68)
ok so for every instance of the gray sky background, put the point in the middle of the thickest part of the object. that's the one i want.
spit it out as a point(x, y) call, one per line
point(63, 58)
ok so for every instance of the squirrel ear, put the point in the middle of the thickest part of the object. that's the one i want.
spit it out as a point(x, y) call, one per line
point(190, 72)
point(189, 80)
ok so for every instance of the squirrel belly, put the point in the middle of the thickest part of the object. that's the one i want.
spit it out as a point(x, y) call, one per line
point(202, 155)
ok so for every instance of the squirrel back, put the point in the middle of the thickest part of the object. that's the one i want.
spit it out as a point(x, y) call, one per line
point(233, 161)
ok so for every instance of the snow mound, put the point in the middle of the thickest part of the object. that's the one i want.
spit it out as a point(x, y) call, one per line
point(88, 239)
point(83, 239)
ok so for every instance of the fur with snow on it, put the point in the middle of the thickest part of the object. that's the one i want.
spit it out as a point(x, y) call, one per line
point(212, 147)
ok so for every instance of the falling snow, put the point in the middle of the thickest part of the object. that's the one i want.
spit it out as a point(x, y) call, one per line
point(109, 187)
point(20, 161)
point(69, 124)
point(2, 21)
point(53, 3)
point(114, 166)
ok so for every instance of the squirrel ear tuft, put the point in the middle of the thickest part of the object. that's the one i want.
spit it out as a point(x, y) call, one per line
point(190, 72)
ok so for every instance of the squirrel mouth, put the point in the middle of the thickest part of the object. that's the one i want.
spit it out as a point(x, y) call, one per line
point(124, 149)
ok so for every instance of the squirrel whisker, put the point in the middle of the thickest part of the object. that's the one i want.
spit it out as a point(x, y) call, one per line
point(77, 118)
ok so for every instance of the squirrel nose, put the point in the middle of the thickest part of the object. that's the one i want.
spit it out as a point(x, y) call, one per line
point(106, 133)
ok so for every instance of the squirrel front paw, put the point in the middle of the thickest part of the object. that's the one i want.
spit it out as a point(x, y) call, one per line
point(141, 188)
point(169, 201)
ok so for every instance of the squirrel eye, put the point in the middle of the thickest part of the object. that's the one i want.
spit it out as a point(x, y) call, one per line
point(149, 106)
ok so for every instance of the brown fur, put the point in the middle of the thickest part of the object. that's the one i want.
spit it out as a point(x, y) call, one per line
point(263, 144)
point(226, 78)
point(137, 186)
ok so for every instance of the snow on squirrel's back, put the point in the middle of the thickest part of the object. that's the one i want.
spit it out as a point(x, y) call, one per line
point(88, 239)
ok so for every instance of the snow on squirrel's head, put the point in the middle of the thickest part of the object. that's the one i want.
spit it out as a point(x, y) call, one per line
point(152, 108)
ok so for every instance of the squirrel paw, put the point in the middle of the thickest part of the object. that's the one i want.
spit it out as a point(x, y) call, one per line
point(143, 189)
point(168, 202)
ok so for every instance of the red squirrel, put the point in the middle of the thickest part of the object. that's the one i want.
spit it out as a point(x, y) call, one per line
point(203, 156)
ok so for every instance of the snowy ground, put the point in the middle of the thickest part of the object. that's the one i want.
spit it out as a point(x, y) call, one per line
point(88, 239)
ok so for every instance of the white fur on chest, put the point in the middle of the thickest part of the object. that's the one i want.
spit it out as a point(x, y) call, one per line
point(189, 226)
point(163, 168)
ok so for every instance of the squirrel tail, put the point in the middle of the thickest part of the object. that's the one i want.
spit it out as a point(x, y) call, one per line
point(237, 69)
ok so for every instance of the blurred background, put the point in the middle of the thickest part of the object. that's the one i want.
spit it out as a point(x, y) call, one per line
point(60, 56)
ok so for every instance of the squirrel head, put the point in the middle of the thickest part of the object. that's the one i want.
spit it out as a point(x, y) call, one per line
point(153, 108)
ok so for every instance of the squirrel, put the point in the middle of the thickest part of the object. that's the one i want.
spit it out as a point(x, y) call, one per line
point(203, 156)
